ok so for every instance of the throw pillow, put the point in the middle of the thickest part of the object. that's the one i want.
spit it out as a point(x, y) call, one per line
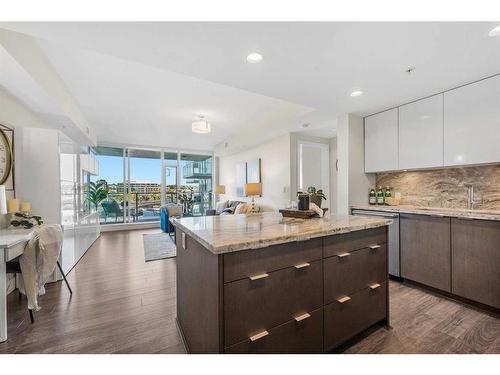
point(243, 208)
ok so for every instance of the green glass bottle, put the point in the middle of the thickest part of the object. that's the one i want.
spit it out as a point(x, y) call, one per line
point(388, 193)
point(372, 198)
point(380, 196)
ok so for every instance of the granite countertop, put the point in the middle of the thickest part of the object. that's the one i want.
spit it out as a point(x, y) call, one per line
point(229, 233)
point(435, 211)
point(11, 237)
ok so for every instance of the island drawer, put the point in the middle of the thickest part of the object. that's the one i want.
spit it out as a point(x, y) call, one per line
point(344, 243)
point(242, 264)
point(251, 306)
point(350, 315)
point(303, 336)
point(348, 273)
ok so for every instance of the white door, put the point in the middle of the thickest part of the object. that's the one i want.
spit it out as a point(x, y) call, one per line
point(381, 141)
point(421, 133)
point(472, 123)
point(314, 168)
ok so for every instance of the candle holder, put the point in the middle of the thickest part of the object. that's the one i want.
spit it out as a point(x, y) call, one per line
point(26, 221)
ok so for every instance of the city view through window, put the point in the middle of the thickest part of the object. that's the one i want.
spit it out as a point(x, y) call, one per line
point(133, 184)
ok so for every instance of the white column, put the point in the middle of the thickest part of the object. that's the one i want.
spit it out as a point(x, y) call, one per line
point(353, 183)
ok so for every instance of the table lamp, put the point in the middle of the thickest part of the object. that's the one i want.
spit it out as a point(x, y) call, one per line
point(253, 189)
point(13, 205)
point(220, 189)
point(25, 207)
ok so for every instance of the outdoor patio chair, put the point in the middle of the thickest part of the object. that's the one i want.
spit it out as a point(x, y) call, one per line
point(111, 208)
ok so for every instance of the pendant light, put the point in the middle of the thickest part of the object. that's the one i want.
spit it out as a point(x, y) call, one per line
point(201, 126)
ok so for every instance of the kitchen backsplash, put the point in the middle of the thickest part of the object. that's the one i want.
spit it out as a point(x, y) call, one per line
point(446, 187)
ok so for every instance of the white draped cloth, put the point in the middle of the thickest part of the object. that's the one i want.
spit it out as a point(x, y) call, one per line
point(39, 261)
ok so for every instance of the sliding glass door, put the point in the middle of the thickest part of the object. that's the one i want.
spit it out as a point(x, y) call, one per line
point(196, 183)
point(170, 173)
point(143, 183)
point(107, 190)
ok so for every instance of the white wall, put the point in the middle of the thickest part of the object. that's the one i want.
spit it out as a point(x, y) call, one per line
point(275, 173)
point(333, 175)
point(37, 171)
point(353, 183)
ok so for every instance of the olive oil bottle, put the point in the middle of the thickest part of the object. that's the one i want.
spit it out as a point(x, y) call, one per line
point(380, 196)
point(372, 197)
point(388, 193)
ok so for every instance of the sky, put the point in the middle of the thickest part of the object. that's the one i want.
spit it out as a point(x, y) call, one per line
point(111, 170)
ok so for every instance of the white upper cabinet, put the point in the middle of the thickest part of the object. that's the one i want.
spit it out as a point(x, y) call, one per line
point(472, 123)
point(421, 133)
point(381, 141)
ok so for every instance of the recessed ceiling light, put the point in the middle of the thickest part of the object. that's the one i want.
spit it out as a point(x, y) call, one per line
point(495, 31)
point(201, 126)
point(356, 93)
point(254, 58)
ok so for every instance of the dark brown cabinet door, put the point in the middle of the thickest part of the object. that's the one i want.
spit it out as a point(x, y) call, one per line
point(476, 260)
point(426, 250)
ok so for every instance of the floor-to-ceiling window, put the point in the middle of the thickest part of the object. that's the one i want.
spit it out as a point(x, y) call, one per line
point(109, 185)
point(138, 181)
point(196, 183)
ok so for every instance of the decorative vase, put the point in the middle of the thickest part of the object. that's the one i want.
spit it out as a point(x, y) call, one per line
point(303, 202)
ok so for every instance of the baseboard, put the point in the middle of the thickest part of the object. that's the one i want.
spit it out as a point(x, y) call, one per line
point(181, 333)
point(453, 297)
point(131, 226)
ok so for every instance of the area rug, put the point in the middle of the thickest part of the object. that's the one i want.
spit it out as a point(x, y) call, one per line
point(158, 246)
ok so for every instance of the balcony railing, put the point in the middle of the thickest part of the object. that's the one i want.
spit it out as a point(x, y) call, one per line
point(145, 207)
point(142, 208)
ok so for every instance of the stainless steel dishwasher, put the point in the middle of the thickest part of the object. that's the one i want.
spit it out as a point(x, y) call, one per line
point(392, 237)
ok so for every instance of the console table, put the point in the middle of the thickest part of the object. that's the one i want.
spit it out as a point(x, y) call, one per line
point(12, 243)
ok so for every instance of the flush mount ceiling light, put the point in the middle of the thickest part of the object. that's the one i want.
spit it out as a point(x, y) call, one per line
point(356, 93)
point(201, 126)
point(254, 58)
point(495, 31)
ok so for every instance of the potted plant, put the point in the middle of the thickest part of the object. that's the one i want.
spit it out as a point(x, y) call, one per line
point(97, 193)
point(316, 195)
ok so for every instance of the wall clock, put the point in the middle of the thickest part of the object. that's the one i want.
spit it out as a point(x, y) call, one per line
point(5, 157)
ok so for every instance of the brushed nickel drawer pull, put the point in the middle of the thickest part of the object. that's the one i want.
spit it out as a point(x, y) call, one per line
point(302, 265)
point(302, 317)
point(183, 240)
point(374, 286)
point(374, 247)
point(343, 299)
point(259, 276)
point(343, 255)
point(258, 336)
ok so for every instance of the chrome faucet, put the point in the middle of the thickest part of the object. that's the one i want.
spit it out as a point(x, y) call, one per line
point(470, 197)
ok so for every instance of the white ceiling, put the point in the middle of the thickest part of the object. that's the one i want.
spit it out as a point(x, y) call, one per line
point(143, 83)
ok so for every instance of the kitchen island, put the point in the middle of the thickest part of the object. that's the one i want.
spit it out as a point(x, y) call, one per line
point(267, 284)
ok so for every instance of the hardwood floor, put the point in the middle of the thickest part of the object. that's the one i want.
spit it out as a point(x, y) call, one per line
point(120, 304)
point(123, 305)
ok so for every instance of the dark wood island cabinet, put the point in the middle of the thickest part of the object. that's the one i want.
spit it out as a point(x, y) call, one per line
point(264, 284)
